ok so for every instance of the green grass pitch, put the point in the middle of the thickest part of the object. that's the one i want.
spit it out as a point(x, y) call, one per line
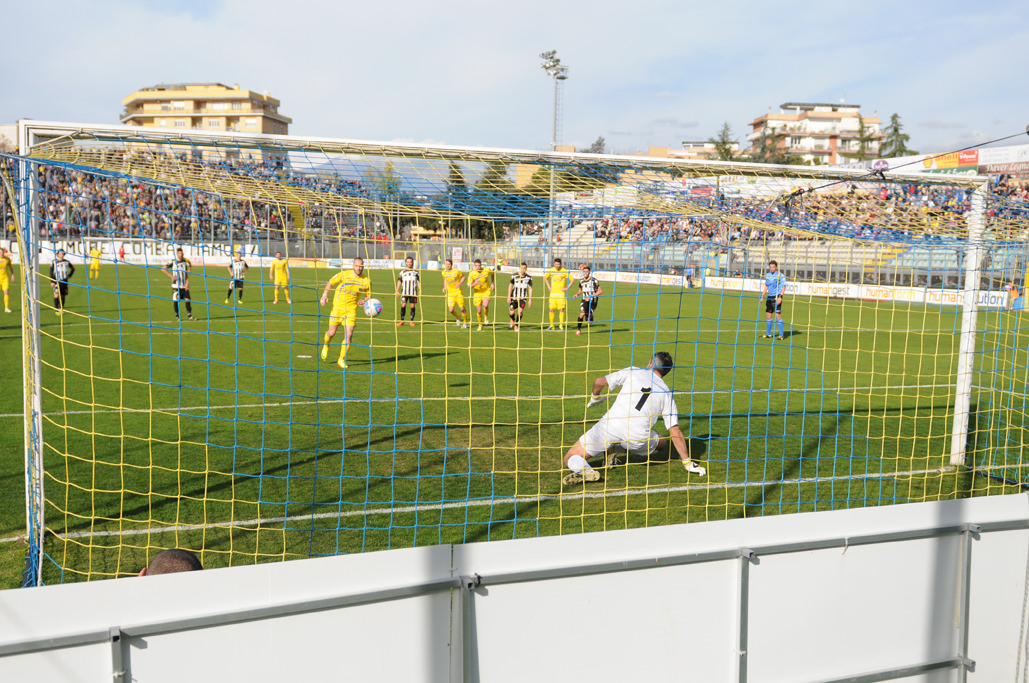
point(229, 435)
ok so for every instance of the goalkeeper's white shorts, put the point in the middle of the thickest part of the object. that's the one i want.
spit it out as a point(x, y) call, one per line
point(603, 438)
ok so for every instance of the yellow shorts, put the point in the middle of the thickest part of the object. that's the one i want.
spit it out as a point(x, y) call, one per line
point(281, 282)
point(558, 303)
point(347, 317)
point(5, 283)
point(456, 299)
point(480, 298)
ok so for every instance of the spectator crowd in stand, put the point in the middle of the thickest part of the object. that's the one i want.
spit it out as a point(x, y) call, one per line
point(78, 204)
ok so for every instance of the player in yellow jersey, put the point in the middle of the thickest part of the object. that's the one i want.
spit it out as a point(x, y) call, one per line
point(350, 286)
point(5, 278)
point(557, 281)
point(94, 263)
point(452, 281)
point(280, 277)
point(480, 281)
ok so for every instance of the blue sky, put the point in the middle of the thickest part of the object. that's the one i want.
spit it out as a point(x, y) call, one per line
point(464, 72)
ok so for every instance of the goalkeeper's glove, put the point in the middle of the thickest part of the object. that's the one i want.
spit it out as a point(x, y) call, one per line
point(694, 467)
point(594, 400)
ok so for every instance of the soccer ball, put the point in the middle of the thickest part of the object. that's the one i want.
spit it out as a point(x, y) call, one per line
point(372, 307)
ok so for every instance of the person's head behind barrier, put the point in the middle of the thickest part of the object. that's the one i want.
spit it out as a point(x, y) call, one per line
point(171, 561)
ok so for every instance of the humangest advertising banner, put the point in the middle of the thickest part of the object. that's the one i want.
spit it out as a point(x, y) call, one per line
point(916, 295)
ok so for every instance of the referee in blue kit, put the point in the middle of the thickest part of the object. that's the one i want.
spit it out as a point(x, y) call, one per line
point(772, 291)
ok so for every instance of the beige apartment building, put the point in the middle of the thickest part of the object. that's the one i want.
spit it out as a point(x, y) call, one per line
point(205, 106)
point(822, 133)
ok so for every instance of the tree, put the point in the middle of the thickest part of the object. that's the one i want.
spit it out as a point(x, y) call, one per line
point(766, 149)
point(493, 191)
point(455, 179)
point(386, 183)
point(597, 147)
point(495, 179)
point(865, 137)
point(724, 144)
point(894, 144)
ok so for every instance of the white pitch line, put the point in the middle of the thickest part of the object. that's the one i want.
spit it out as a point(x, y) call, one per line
point(510, 500)
point(285, 404)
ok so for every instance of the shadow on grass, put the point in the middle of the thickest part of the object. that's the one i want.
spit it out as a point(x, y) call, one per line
point(791, 470)
point(366, 486)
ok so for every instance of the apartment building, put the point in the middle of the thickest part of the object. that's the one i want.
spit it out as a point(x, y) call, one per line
point(205, 106)
point(822, 133)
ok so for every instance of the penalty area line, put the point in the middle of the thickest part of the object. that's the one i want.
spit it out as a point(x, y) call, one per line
point(508, 500)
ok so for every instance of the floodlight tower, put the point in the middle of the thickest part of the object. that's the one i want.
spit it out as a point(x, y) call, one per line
point(559, 72)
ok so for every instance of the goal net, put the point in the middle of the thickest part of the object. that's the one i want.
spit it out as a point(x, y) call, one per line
point(205, 418)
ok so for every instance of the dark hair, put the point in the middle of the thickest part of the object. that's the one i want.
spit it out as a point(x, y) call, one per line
point(557, 260)
point(774, 263)
point(477, 261)
point(173, 560)
point(662, 363)
point(525, 264)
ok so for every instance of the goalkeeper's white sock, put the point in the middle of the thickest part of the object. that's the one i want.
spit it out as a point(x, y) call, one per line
point(577, 463)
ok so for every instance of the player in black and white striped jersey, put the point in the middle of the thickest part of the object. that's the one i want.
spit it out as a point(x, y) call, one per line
point(590, 291)
point(519, 296)
point(237, 271)
point(409, 288)
point(178, 271)
point(61, 271)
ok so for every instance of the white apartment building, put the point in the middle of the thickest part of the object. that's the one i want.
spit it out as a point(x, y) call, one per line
point(822, 133)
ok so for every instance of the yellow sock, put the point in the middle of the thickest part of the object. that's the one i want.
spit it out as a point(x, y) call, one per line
point(562, 318)
point(343, 355)
point(7, 301)
point(325, 339)
point(551, 318)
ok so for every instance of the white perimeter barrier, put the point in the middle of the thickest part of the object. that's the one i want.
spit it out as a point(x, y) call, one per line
point(929, 591)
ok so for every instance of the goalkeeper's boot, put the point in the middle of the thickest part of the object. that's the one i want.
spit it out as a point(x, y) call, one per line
point(694, 468)
point(573, 478)
point(613, 460)
point(325, 351)
point(341, 364)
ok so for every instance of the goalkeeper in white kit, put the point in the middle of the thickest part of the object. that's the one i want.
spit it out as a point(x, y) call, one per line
point(628, 426)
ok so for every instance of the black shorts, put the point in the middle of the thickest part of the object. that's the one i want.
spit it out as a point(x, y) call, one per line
point(771, 306)
point(405, 300)
point(179, 294)
point(587, 307)
point(61, 288)
point(236, 284)
point(518, 304)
